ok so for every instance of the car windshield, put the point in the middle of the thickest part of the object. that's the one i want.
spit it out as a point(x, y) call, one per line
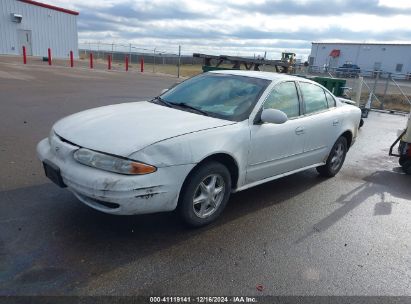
point(225, 96)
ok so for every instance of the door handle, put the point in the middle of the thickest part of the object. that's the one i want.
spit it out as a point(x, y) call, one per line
point(336, 122)
point(300, 130)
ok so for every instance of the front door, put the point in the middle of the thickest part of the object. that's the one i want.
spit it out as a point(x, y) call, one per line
point(277, 148)
point(25, 40)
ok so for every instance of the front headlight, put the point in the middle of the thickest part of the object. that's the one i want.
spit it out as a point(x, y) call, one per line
point(111, 163)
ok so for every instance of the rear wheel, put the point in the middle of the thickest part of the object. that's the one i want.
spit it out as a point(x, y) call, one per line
point(335, 159)
point(205, 194)
point(361, 123)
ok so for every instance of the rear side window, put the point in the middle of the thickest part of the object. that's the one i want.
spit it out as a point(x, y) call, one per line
point(330, 100)
point(284, 97)
point(314, 98)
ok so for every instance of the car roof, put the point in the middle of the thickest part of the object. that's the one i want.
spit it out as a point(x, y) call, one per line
point(259, 74)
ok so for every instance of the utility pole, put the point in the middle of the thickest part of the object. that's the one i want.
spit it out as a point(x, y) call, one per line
point(265, 55)
point(154, 59)
point(179, 61)
point(112, 51)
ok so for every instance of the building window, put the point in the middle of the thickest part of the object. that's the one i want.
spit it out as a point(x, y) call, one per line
point(398, 67)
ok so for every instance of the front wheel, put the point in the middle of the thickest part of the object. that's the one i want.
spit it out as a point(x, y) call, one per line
point(205, 194)
point(335, 160)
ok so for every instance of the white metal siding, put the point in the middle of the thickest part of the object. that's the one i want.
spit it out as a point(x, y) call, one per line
point(50, 29)
point(365, 55)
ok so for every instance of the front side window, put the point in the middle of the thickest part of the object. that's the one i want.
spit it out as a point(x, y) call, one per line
point(225, 96)
point(284, 97)
point(314, 98)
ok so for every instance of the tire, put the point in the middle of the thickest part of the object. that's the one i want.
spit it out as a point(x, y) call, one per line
point(406, 167)
point(210, 176)
point(335, 159)
point(403, 160)
point(361, 123)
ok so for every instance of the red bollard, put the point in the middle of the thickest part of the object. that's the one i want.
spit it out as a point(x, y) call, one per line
point(109, 62)
point(49, 55)
point(71, 59)
point(91, 60)
point(142, 64)
point(24, 55)
point(126, 63)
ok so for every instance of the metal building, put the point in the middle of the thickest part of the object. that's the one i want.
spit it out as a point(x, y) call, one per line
point(37, 26)
point(390, 58)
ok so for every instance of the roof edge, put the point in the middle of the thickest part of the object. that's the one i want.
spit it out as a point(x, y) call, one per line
point(362, 43)
point(56, 8)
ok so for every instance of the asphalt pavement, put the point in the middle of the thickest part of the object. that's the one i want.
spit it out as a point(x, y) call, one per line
point(299, 235)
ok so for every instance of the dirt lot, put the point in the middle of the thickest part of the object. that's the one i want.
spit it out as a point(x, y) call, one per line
point(300, 235)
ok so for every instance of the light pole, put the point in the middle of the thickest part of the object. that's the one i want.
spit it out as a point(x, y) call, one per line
point(154, 59)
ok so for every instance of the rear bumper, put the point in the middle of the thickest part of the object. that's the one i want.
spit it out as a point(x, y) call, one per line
point(115, 193)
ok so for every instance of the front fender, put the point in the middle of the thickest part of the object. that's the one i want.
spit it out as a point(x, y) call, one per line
point(192, 148)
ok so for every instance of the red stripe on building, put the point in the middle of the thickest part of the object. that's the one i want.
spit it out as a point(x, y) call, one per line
point(56, 8)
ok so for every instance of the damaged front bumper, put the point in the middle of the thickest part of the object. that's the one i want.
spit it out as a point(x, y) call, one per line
point(111, 192)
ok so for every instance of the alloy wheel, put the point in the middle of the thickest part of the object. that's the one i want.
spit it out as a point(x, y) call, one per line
point(208, 195)
point(338, 156)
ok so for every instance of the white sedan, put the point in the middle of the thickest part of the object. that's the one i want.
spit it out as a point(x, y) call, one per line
point(214, 134)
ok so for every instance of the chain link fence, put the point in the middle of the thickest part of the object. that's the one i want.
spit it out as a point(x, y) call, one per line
point(155, 60)
point(385, 90)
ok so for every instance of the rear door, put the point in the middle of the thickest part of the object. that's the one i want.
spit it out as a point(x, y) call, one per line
point(277, 148)
point(321, 123)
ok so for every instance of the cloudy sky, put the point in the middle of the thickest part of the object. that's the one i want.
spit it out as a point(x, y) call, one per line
point(240, 27)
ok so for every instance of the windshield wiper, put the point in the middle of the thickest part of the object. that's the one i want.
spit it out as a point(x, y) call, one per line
point(161, 100)
point(184, 105)
point(178, 104)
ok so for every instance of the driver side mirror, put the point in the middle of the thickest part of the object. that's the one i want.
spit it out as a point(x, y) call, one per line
point(273, 116)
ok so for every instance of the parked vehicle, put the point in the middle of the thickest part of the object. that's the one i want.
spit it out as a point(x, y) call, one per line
point(214, 134)
point(348, 70)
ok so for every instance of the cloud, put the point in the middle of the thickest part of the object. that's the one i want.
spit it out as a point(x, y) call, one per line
point(239, 26)
point(322, 8)
point(159, 11)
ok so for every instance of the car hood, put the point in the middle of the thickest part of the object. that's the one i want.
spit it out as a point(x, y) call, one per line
point(126, 128)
